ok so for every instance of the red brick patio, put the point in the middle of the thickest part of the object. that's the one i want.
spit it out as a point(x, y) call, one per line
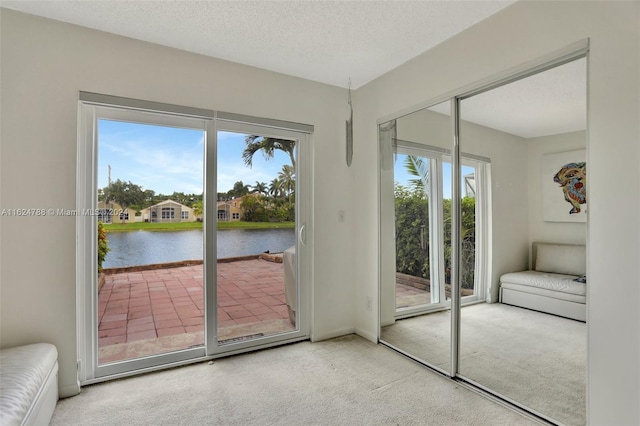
point(160, 310)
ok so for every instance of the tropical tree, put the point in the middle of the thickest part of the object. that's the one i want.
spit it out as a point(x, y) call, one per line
point(275, 188)
point(149, 197)
point(124, 193)
point(260, 188)
point(287, 178)
point(254, 209)
point(239, 190)
point(417, 167)
point(198, 209)
point(268, 147)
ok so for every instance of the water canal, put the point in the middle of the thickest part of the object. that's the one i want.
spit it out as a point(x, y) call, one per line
point(146, 247)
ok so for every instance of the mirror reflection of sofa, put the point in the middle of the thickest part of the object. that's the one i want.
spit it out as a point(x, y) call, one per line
point(556, 284)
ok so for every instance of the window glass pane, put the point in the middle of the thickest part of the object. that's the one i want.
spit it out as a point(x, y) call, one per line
point(412, 203)
point(150, 300)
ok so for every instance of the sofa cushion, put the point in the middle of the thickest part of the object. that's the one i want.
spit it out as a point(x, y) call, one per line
point(555, 282)
point(561, 258)
point(23, 372)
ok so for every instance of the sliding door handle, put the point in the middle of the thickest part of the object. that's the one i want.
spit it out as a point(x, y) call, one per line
point(302, 236)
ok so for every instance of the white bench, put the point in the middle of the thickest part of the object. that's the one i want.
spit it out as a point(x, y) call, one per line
point(556, 284)
point(28, 384)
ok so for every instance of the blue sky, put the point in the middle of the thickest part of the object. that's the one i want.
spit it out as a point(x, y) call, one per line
point(401, 176)
point(168, 159)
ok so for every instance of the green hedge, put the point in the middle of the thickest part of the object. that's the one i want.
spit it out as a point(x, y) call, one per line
point(412, 235)
point(103, 247)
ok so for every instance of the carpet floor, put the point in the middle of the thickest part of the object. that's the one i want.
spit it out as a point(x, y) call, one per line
point(535, 359)
point(343, 381)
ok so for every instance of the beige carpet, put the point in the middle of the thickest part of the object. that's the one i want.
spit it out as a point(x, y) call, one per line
point(344, 381)
point(536, 359)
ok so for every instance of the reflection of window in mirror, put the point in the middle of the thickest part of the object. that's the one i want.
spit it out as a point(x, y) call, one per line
point(412, 235)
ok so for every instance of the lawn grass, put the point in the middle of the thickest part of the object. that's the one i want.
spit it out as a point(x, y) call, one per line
point(185, 226)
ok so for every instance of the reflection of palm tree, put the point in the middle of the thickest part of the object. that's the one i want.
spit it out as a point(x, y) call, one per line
point(260, 188)
point(268, 146)
point(275, 188)
point(416, 166)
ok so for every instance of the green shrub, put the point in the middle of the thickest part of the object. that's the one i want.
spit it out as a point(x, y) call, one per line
point(412, 220)
point(103, 245)
point(259, 208)
point(412, 240)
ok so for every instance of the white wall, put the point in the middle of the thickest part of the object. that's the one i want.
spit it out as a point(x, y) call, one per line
point(520, 33)
point(44, 65)
point(539, 230)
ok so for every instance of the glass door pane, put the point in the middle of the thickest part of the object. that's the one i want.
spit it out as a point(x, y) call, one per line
point(150, 198)
point(413, 222)
point(257, 289)
point(468, 180)
point(468, 234)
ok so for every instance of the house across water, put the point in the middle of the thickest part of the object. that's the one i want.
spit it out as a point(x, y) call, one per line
point(163, 212)
point(168, 211)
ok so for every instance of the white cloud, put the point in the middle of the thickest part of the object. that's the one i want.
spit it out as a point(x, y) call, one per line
point(158, 163)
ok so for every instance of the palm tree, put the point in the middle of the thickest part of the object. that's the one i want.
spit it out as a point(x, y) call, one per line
point(260, 188)
point(275, 188)
point(288, 179)
point(198, 209)
point(239, 190)
point(416, 166)
point(268, 146)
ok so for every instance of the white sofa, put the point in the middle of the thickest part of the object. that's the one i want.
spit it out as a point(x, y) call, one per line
point(28, 384)
point(556, 284)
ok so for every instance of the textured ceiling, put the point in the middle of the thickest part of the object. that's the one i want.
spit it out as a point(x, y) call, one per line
point(333, 42)
point(324, 41)
point(548, 103)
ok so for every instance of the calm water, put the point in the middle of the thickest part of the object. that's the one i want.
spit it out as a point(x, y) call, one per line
point(144, 247)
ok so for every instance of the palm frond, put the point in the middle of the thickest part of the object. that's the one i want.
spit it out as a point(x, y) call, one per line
point(418, 167)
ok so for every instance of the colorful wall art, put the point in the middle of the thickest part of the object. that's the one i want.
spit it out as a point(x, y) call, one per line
point(564, 186)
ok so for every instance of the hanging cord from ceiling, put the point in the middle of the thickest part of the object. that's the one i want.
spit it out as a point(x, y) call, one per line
point(349, 129)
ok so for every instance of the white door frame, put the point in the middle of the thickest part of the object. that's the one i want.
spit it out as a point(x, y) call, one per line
point(94, 106)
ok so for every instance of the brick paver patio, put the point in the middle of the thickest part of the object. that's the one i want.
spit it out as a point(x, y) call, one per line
point(160, 310)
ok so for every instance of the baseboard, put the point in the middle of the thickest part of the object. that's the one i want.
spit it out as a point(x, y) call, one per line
point(336, 333)
point(369, 336)
point(66, 391)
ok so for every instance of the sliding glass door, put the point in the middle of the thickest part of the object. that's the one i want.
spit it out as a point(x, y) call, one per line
point(259, 267)
point(150, 250)
point(194, 234)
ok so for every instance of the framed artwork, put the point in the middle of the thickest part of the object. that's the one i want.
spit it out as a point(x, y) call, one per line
point(564, 186)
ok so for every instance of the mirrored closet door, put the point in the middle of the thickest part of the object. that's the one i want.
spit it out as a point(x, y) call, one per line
point(415, 185)
point(463, 199)
point(534, 358)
